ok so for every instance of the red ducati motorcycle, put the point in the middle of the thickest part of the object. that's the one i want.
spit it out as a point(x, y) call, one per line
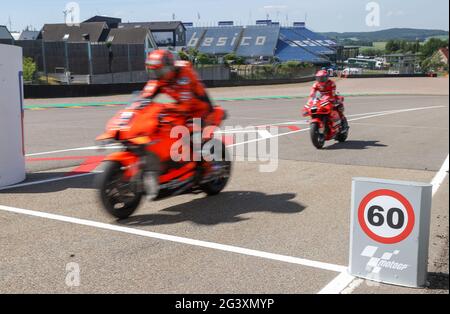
point(145, 166)
point(325, 123)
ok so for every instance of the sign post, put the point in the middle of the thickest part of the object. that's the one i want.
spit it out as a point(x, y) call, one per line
point(390, 230)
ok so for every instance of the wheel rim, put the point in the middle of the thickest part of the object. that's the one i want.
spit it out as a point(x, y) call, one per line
point(224, 175)
point(119, 193)
point(321, 139)
point(219, 163)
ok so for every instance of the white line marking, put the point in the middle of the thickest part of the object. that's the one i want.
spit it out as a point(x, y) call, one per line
point(347, 284)
point(401, 126)
point(303, 122)
point(264, 134)
point(263, 138)
point(21, 185)
point(237, 131)
point(352, 286)
point(397, 111)
point(300, 122)
point(75, 149)
point(383, 113)
point(366, 116)
point(170, 238)
point(440, 176)
point(338, 284)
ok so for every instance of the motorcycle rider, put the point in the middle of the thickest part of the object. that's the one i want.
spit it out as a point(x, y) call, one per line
point(326, 87)
point(178, 80)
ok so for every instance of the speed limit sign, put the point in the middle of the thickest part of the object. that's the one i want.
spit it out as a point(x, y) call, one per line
point(386, 216)
point(390, 229)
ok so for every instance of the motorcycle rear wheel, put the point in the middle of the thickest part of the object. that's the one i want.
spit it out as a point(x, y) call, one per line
point(317, 139)
point(119, 198)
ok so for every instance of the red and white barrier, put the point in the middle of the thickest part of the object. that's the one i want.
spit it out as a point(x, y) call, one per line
point(12, 159)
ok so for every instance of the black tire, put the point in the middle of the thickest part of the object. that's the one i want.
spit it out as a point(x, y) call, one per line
point(343, 136)
point(215, 187)
point(317, 139)
point(110, 180)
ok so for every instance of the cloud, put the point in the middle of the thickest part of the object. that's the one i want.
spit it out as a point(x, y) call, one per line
point(275, 7)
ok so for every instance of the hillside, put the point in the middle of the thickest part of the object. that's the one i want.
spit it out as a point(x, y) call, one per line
point(388, 34)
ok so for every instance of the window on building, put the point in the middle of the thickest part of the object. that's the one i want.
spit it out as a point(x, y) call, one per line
point(164, 39)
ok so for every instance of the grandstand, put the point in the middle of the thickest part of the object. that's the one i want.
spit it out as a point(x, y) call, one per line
point(258, 41)
point(263, 41)
point(215, 40)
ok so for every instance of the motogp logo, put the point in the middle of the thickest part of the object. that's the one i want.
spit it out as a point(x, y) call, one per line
point(376, 264)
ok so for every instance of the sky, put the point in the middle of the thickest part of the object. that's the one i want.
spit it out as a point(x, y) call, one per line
point(320, 15)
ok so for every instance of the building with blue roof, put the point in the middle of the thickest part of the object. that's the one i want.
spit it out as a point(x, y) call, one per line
point(263, 41)
point(289, 51)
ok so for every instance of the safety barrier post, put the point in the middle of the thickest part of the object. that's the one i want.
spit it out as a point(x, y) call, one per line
point(12, 152)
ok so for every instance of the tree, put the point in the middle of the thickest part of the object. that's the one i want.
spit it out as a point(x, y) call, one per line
point(432, 45)
point(392, 46)
point(292, 64)
point(183, 55)
point(372, 52)
point(29, 69)
point(416, 47)
point(432, 64)
point(197, 57)
point(203, 58)
point(232, 58)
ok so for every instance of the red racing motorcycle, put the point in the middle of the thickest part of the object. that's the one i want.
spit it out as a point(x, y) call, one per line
point(145, 167)
point(325, 123)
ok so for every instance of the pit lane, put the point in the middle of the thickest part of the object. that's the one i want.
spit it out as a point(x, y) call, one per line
point(300, 211)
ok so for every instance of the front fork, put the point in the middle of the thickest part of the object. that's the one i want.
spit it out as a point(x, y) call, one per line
point(142, 171)
point(323, 125)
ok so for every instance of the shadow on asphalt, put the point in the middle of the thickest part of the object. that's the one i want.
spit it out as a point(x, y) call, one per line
point(85, 182)
point(226, 207)
point(438, 281)
point(355, 145)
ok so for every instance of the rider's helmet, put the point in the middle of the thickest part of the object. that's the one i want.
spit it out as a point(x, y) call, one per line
point(160, 65)
point(322, 76)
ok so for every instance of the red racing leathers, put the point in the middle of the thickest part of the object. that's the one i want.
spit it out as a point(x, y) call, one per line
point(185, 88)
point(328, 88)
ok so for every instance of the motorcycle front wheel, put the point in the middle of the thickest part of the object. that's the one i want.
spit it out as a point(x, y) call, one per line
point(317, 139)
point(343, 136)
point(221, 162)
point(119, 197)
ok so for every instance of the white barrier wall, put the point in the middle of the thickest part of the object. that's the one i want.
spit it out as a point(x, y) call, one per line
point(12, 159)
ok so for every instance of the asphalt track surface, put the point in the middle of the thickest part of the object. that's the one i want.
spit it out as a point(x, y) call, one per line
point(280, 232)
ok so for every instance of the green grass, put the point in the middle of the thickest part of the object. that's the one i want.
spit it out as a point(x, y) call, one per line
point(379, 45)
point(439, 37)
